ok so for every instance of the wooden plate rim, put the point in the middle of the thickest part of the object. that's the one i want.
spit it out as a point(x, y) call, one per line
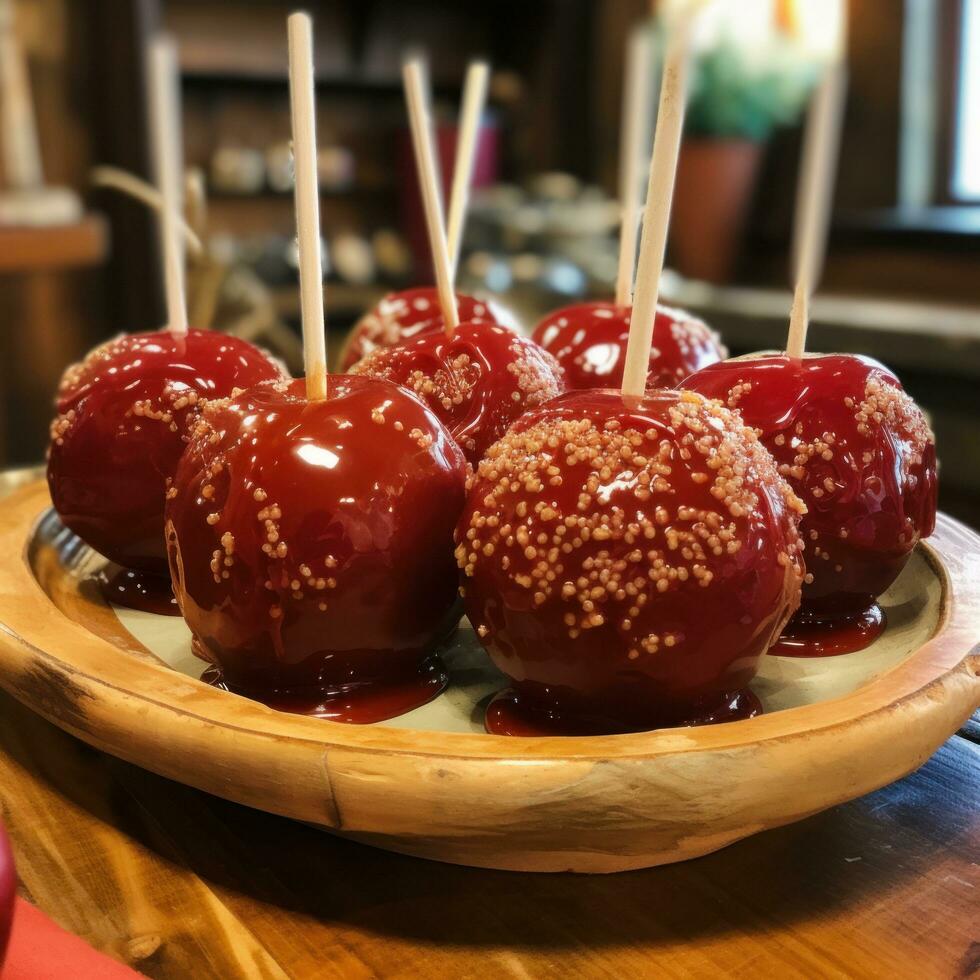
point(951, 651)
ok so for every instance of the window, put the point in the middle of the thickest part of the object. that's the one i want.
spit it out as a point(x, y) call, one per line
point(966, 146)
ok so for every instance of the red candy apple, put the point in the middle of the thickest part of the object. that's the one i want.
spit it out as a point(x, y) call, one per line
point(627, 562)
point(859, 453)
point(311, 545)
point(411, 313)
point(123, 417)
point(476, 382)
point(589, 341)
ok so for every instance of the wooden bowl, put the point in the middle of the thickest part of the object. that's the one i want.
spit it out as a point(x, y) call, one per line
point(431, 785)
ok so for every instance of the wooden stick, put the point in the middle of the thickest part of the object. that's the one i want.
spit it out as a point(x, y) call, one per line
point(20, 147)
point(307, 196)
point(432, 128)
point(636, 110)
point(206, 275)
point(814, 195)
point(195, 202)
point(418, 115)
point(165, 115)
point(656, 215)
point(467, 138)
point(135, 187)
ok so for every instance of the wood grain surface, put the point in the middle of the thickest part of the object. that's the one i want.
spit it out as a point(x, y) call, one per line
point(546, 804)
point(181, 884)
point(178, 883)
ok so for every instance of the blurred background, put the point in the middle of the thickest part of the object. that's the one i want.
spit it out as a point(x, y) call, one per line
point(80, 263)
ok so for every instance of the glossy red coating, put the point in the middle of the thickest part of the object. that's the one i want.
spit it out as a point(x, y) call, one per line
point(402, 316)
point(589, 341)
point(822, 637)
point(508, 714)
point(627, 564)
point(136, 589)
point(858, 452)
point(8, 891)
point(123, 417)
point(476, 383)
point(311, 546)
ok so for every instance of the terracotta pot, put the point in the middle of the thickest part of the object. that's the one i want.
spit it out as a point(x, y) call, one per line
point(412, 213)
point(715, 182)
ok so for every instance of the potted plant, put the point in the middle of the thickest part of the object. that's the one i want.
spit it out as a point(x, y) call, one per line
point(749, 75)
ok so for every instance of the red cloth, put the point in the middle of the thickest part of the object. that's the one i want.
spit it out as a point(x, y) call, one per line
point(41, 950)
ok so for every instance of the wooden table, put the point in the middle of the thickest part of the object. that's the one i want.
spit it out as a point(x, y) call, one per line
point(178, 883)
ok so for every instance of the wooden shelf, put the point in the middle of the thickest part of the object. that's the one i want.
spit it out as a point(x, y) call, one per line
point(25, 249)
point(347, 83)
point(340, 298)
point(932, 224)
point(268, 194)
point(251, 216)
point(930, 337)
